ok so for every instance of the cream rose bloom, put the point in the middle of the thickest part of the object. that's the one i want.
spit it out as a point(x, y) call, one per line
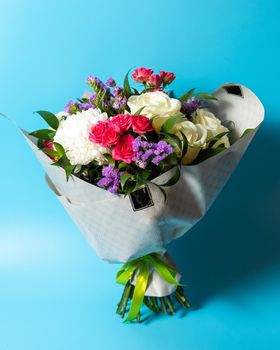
point(156, 104)
point(212, 124)
point(196, 135)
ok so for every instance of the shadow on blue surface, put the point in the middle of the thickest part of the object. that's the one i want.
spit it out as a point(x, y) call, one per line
point(240, 236)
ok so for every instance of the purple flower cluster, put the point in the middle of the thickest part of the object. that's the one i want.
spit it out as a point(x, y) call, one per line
point(74, 107)
point(148, 151)
point(118, 98)
point(191, 105)
point(111, 82)
point(111, 178)
point(105, 97)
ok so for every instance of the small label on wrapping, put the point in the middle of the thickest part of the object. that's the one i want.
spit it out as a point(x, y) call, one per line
point(234, 90)
point(141, 199)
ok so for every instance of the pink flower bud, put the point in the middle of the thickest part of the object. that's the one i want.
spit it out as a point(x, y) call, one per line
point(154, 81)
point(167, 77)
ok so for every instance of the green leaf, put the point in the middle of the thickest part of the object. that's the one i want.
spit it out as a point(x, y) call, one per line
point(170, 122)
point(60, 150)
point(109, 157)
point(122, 165)
point(174, 179)
point(124, 178)
point(68, 170)
point(138, 112)
point(185, 145)
point(205, 96)
point(246, 132)
point(43, 134)
point(139, 182)
point(130, 187)
point(51, 153)
point(145, 174)
point(175, 139)
point(126, 85)
point(50, 118)
point(187, 95)
point(216, 138)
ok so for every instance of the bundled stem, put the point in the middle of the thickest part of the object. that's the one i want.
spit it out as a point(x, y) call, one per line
point(140, 270)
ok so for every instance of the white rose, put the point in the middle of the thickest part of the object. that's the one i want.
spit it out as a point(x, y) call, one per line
point(212, 124)
point(156, 104)
point(73, 135)
point(196, 135)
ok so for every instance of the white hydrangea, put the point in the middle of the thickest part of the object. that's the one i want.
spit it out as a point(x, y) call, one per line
point(73, 135)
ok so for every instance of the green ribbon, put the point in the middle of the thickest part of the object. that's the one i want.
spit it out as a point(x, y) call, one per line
point(143, 267)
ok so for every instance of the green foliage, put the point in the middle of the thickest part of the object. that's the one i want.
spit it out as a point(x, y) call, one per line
point(205, 96)
point(43, 134)
point(109, 158)
point(49, 118)
point(126, 86)
point(246, 132)
point(138, 112)
point(187, 95)
point(185, 145)
point(216, 138)
point(198, 96)
point(170, 122)
point(172, 139)
point(174, 179)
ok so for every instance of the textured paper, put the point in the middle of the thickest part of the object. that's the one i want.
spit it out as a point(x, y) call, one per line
point(118, 233)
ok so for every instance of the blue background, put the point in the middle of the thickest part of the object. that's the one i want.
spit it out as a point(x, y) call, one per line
point(54, 292)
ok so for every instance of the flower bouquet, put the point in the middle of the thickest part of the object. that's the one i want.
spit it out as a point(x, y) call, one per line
point(135, 167)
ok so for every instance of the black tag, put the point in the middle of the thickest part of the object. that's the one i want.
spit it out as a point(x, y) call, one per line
point(141, 199)
point(234, 90)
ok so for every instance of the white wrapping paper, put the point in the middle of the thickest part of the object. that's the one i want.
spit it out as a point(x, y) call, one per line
point(109, 222)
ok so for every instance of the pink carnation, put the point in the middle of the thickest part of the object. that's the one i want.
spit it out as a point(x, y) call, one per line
point(154, 81)
point(141, 75)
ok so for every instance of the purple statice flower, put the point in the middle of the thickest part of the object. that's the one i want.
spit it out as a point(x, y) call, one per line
point(118, 92)
point(111, 178)
point(163, 149)
point(92, 98)
point(111, 82)
point(69, 107)
point(153, 152)
point(84, 106)
point(118, 97)
point(191, 105)
point(95, 82)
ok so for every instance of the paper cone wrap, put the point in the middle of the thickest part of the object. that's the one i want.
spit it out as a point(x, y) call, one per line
point(117, 230)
